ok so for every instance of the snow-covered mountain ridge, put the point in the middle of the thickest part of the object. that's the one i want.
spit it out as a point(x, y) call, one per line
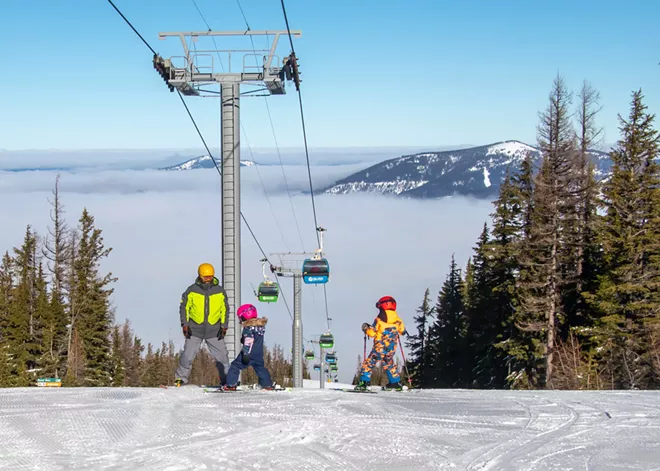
point(476, 172)
point(203, 161)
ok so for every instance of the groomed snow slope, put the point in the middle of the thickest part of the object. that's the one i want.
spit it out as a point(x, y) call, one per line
point(313, 429)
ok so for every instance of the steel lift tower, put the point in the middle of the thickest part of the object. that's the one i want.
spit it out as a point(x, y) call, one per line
point(196, 68)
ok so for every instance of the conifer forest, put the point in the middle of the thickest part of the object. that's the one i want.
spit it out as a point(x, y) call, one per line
point(57, 319)
point(562, 288)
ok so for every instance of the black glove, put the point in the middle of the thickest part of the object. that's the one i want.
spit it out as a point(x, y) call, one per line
point(186, 331)
point(222, 333)
point(365, 326)
point(245, 358)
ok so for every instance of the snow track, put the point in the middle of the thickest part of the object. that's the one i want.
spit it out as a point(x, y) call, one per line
point(313, 429)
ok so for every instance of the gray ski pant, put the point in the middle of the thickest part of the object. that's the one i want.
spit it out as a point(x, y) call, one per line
point(217, 349)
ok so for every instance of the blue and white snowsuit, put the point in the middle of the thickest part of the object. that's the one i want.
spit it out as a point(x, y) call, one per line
point(252, 353)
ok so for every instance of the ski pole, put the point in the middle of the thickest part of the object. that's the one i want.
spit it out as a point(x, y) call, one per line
point(403, 356)
point(364, 353)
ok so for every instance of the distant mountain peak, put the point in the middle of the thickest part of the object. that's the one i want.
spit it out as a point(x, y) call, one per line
point(476, 171)
point(203, 161)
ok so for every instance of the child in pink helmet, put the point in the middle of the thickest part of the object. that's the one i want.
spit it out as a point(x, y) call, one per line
point(252, 353)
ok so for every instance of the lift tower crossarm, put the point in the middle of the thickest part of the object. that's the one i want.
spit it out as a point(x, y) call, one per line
point(182, 36)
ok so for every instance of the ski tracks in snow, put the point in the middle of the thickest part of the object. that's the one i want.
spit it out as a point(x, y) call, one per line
point(312, 429)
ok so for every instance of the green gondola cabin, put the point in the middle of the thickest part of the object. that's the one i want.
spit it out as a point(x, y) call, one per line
point(268, 292)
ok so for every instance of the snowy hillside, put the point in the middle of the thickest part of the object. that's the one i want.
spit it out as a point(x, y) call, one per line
point(201, 162)
point(313, 429)
point(477, 171)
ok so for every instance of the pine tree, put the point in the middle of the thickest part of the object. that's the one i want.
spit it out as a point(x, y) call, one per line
point(45, 335)
point(56, 250)
point(94, 317)
point(542, 275)
point(508, 232)
point(485, 318)
point(627, 298)
point(418, 361)
point(21, 329)
point(446, 336)
point(7, 363)
point(118, 370)
point(581, 250)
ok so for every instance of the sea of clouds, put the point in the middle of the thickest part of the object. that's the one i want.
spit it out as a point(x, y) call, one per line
point(162, 225)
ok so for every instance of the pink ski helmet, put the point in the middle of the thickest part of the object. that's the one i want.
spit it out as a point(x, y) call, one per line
point(246, 311)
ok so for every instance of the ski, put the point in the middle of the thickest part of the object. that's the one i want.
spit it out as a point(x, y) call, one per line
point(240, 389)
point(188, 386)
point(405, 388)
point(367, 391)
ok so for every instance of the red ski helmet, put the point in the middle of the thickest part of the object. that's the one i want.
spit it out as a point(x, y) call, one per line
point(246, 311)
point(387, 303)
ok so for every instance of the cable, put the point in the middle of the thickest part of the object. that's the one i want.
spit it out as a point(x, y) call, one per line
point(243, 13)
point(200, 14)
point(309, 170)
point(263, 186)
point(129, 24)
point(272, 128)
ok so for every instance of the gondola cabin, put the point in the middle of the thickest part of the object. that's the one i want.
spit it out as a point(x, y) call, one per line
point(268, 292)
point(317, 367)
point(316, 271)
point(309, 355)
point(330, 357)
point(327, 340)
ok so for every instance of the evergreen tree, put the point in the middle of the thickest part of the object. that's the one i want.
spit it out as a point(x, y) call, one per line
point(117, 372)
point(485, 320)
point(446, 336)
point(627, 299)
point(418, 361)
point(22, 326)
point(7, 363)
point(508, 232)
point(542, 275)
point(581, 250)
point(45, 336)
point(56, 250)
point(94, 318)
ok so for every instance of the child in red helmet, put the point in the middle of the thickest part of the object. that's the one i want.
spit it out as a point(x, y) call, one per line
point(385, 331)
point(252, 353)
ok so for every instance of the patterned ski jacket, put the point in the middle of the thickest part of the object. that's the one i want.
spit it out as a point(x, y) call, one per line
point(387, 323)
point(204, 308)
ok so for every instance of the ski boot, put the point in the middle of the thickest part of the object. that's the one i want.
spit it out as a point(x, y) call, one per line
point(362, 385)
point(393, 387)
point(226, 387)
point(178, 382)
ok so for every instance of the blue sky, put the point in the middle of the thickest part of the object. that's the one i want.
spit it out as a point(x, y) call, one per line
point(424, 73)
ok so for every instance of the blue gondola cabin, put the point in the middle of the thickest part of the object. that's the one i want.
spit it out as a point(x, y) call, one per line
point(316, 271)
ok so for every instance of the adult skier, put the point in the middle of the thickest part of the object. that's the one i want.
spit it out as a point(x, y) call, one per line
point(385, 331)
point(204, 313)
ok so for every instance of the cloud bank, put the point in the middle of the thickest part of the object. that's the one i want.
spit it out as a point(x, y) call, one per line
point(162, 225)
